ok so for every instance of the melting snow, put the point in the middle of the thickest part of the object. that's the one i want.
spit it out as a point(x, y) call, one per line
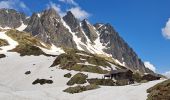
point(53, 50)
point(22, 27)
point(12, 43)
point(86, 63)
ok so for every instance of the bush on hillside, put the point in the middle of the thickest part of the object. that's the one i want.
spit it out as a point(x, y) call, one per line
point(68, 75)
point(104, 82)
point(78, 89)
point(160, 91)
point(78, 78)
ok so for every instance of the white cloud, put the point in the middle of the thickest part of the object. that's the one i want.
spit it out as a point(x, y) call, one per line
point(79, 13)
point(166, 30)
point(14, 4)
point(72, 2)
point(56, 7)
point(167, 74)
point(150, 66)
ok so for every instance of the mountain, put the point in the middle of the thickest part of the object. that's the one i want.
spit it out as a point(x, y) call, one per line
point(73, 33)
point(12, 19)
point(48, 57)
point(69, 32)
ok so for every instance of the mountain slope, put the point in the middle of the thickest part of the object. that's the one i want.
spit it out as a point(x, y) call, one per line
point(69, 32)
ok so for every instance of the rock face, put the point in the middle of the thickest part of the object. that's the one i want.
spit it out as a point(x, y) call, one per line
point(48, 27)
point(119, 49)
point(11, 18)
point(69, 32)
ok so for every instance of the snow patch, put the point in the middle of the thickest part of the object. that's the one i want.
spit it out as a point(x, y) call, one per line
point(86, 63)
point(12, 43)
point(22, 27)
point(53, 50)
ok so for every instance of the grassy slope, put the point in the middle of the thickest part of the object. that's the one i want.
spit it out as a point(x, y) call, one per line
point(27, 43)
point(160, 91)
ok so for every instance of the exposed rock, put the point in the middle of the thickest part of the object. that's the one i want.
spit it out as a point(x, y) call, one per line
point(11, 18)
point(89, 30)
point(150, 77)
point(42, 81)
point(119, 49)
point(48, 27)
point(68, 75)
point(28, 72)
point(74, 24)
point(2, 56)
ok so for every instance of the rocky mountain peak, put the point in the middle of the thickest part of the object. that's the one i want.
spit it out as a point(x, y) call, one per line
point(71, 20)
point(52, 13)
point(11, 18)
point(49, 27)
point(89, 30)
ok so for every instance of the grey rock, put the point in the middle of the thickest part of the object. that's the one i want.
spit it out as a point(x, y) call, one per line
point(119, 49)
point(48, 27)
point(11, 18)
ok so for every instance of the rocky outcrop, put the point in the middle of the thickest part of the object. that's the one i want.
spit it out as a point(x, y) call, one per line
point(11, 18)
point(119, 49)
point(48, 27)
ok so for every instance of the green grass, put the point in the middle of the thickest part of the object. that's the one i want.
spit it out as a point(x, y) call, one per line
point(27, 43)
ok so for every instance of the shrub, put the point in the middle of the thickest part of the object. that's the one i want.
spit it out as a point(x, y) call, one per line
point(79, 78)
point(78, 89)
point(104, 82)
point(137, 77)
point(42, 81)
point(68, 75)
point(122, 82)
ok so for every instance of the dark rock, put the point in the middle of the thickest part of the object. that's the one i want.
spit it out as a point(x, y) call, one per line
point(74, 24)
point(28, 72)
point(150, 77)
point(89, 30)
point(42, 81)
point(2, 56)
point(119, 48)
point(68, 75)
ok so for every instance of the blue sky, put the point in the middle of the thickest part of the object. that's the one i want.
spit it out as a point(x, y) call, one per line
point(139, 22)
